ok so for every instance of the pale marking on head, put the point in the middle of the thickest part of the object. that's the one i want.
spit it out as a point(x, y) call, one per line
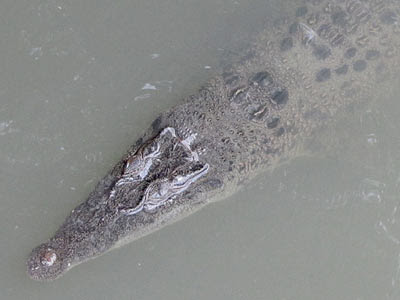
point(49, 257)
point(160, 192)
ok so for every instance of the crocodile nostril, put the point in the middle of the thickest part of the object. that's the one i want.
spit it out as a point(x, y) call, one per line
point(48, 258)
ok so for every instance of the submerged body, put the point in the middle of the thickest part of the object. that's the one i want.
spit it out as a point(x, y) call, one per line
point(299, 73)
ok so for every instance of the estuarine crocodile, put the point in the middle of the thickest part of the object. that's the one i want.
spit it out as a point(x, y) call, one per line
point(299, 73)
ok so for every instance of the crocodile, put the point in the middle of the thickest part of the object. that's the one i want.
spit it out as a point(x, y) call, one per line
point(298, 74)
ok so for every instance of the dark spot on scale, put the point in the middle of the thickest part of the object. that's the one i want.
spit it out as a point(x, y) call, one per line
point(388, 17)
point(339, 18)
point(372, 54)
point(359, 65)
point(280, 131)
point(350, 53)
point(280, 97)
point(321, 52)
point(156, 124)
point(293, 28)
point(261, 78)
point(342, 70)
point(323, 75)
point(301, 11)
point(273, 123)
point(286, 44)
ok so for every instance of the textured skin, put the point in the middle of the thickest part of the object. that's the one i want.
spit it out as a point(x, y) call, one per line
point(325, 57)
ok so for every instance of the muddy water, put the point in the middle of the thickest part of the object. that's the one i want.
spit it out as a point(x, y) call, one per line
point(80, 82)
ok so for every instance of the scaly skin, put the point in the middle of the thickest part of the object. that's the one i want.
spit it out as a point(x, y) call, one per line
point(325, 57)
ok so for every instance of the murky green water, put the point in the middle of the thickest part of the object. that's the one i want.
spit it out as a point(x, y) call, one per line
point(80, 82)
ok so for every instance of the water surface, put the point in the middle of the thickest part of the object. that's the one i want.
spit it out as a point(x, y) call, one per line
point(81, 81)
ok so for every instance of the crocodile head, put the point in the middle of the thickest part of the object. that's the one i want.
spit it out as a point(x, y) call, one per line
point(148, 187)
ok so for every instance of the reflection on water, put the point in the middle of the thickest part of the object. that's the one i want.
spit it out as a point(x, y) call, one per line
point(83, 80)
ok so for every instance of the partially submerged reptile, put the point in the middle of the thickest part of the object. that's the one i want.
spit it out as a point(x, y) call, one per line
point(299, 73)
